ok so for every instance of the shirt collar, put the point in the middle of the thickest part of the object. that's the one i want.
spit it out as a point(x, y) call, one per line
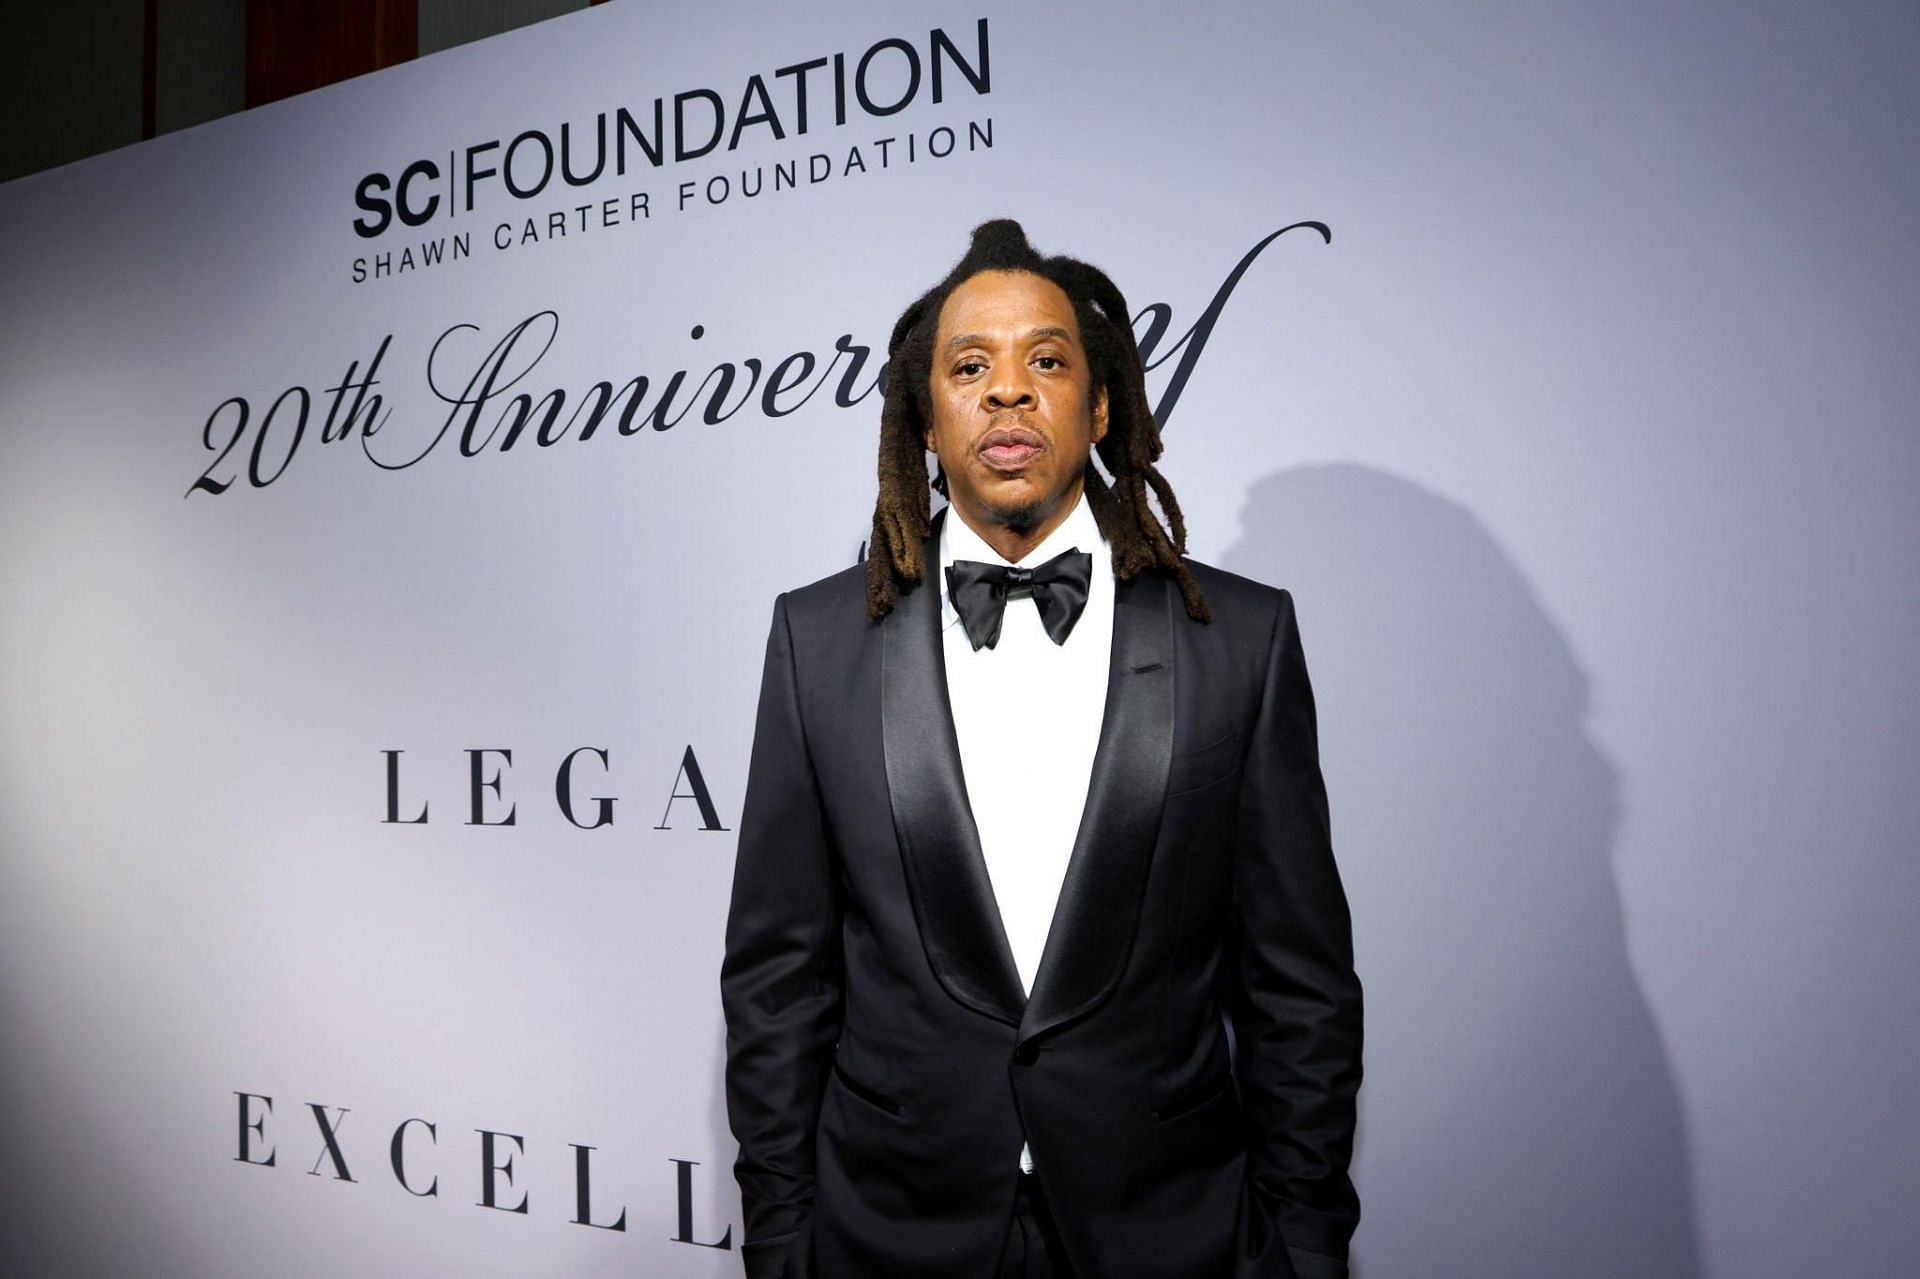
point(958, 541)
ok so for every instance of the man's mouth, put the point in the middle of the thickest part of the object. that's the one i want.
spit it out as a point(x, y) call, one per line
point(1009, 448)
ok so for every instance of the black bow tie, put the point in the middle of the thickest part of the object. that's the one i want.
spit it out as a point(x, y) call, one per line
point(979, 593)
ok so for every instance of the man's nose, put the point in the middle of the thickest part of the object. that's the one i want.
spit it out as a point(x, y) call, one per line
point(1009, 388)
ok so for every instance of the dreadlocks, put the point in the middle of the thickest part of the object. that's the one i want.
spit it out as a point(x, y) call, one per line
point(902, 514)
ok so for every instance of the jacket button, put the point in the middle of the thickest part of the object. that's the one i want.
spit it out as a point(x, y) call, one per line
point(1026, 1055)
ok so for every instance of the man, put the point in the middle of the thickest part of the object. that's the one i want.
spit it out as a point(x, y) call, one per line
point(1017, 839)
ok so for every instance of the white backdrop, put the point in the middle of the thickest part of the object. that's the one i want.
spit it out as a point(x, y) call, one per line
point(1587, 448)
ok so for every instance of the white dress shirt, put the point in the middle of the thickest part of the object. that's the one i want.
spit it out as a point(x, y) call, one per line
point(1027, 713)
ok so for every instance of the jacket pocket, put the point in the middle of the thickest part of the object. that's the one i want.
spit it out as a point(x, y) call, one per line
point(1204, 765)
point(867, 1092)
point(1193, 1099)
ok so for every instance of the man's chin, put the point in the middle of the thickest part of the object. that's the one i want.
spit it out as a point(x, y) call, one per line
point(1025, 507)
point(1021, 517)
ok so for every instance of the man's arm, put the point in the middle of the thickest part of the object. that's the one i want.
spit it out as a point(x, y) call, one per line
point(780, 982)
point(1291, 987)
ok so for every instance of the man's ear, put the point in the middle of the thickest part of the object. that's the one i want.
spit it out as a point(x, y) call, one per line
point(1099, 415)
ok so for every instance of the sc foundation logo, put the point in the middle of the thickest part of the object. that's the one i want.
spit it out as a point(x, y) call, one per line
point(794, 100)
point(494, 1163)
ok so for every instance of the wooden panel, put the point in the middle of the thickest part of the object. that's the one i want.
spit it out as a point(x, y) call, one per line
point(297, 45)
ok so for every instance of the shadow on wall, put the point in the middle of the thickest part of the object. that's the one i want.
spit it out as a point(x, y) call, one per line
point(1519, 1117)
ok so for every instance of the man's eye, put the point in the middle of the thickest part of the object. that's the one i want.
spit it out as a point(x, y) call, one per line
point(967, 369)
point(1049, 360)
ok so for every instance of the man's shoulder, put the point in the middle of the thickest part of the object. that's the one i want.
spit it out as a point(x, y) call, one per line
point(830, 591)
point(1236, 598)
point(836, 603)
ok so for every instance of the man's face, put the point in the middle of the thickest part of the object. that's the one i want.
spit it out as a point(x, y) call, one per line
point(1013, 421)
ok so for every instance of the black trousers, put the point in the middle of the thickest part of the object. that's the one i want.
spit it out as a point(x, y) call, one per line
point(1033, 1249)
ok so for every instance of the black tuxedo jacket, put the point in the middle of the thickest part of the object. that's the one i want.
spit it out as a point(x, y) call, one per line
point(883, 1064)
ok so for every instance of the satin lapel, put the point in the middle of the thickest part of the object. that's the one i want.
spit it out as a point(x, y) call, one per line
point(1099, 905)
point(946, 872)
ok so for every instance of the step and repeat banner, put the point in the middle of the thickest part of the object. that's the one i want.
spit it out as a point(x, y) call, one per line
point(395, 483)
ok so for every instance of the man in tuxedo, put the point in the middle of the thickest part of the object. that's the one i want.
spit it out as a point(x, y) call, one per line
point(1038, 962)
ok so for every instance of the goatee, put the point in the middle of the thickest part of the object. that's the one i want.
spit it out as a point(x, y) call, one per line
point(1023, 518)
